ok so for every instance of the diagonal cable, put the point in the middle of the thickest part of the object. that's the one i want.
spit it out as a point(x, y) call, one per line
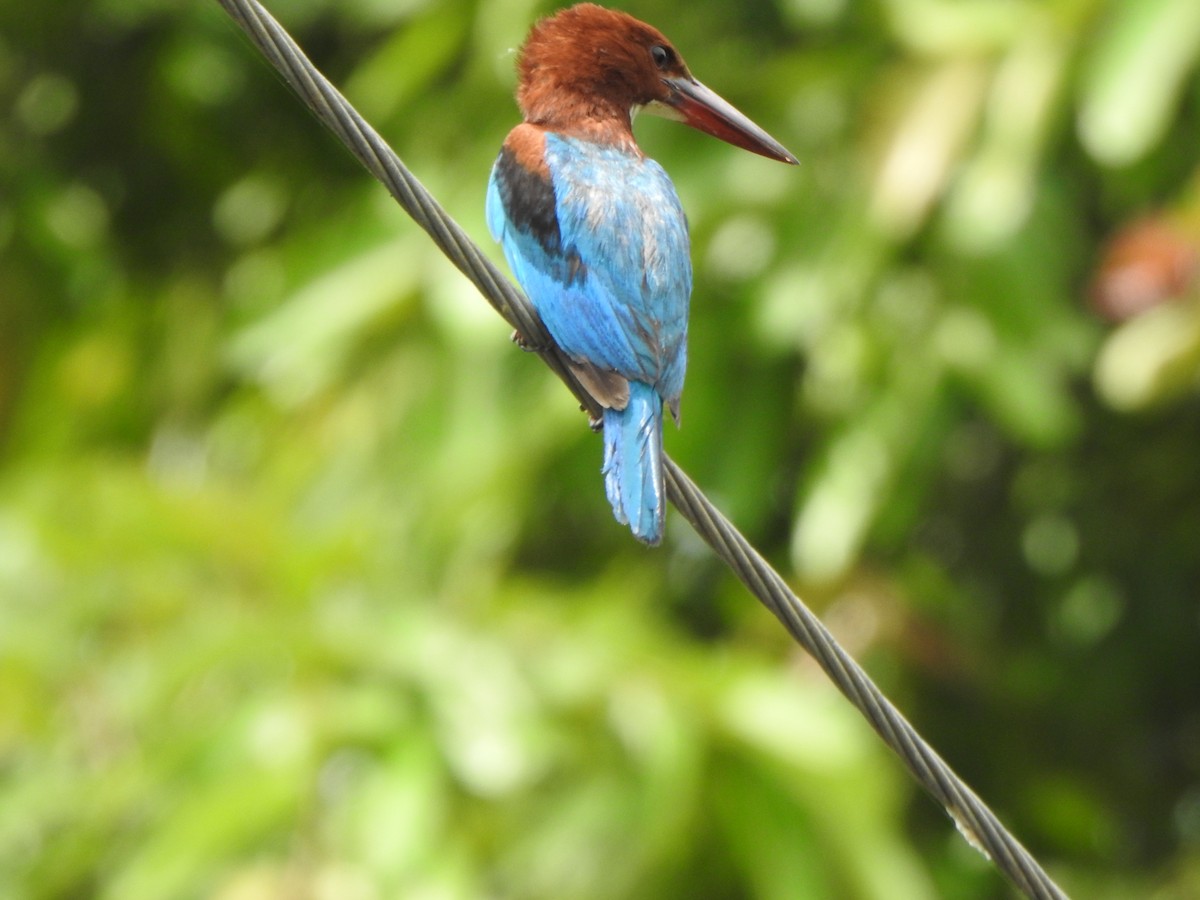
point(973, 818)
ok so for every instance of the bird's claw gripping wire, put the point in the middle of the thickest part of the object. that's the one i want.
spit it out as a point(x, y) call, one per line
point(525, 343)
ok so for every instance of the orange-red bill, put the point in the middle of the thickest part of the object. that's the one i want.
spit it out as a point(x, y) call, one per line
point(706, 111)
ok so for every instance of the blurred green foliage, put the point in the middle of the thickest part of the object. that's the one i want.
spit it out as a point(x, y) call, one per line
point(308, 586)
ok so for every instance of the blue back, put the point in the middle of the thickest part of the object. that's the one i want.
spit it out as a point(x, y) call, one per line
point(602, 252)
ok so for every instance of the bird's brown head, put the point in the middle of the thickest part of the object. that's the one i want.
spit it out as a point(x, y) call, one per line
point(588, 67)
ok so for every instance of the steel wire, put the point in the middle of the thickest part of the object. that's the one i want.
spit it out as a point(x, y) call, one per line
point(978, 824)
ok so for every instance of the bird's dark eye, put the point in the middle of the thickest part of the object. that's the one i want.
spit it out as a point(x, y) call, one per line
point(664, 57)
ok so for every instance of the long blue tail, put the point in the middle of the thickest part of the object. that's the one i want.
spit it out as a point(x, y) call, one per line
point(633, 466)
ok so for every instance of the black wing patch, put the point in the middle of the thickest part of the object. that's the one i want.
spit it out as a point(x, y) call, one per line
point(529, 202)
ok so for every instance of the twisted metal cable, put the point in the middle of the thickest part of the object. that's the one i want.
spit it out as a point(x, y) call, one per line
point(974, 819)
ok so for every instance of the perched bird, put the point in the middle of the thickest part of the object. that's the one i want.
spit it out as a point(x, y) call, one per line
point(594, 232)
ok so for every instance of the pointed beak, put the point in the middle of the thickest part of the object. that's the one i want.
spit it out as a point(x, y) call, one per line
point(693, 104)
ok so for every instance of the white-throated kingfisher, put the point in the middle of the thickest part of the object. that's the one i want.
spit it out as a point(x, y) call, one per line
point(594, 232)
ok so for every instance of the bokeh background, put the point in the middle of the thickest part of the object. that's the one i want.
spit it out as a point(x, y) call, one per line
point(308, 585)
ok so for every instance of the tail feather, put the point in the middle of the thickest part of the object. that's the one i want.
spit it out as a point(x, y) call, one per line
point(633, 465)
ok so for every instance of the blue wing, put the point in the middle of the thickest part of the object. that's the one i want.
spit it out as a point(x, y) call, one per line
point(598, 239)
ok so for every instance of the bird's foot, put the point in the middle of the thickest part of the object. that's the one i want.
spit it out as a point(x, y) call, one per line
point(596, 423)
point(523, 342)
